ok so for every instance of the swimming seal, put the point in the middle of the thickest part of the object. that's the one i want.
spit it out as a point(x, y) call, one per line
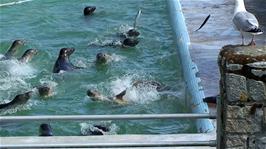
point(97, 96)
point(12, 49)
point(18, 100)
point(63, 62)
point(130, 42)
point(27, 56)
point(45, 90)
point(99, 130)
point(89, 10)
point(45, 130)
point(102, 58)
point(133, 33)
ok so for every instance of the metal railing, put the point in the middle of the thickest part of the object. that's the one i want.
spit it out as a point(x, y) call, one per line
point(60, 144)
point(106, 117)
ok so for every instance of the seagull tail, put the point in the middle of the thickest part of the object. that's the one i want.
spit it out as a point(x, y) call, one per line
point(256, 31)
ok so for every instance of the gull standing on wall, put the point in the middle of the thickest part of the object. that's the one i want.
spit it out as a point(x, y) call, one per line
point(245, 21)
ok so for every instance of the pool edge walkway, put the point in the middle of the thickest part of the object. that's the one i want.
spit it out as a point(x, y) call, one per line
point(171, 140)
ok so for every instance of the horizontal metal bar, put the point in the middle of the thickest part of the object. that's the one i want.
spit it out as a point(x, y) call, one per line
point(105, 117)
point(113, 145)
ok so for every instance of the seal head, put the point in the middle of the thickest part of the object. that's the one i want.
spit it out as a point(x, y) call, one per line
point(89, 10)
point(12, 49)
point(129, 42)
point(27, 56)
point(45, 130)
point(133, 33)
point(102, 58)
point(45, 91)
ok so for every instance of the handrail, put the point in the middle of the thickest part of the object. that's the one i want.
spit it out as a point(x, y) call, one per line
point(106, 117)
point(188, 66)
point(114, 145)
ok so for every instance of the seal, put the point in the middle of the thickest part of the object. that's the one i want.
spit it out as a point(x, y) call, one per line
point(45, 130)
point(133, 33)
point(63, 62)
point(89, 10)
point(102, 58)
point(18, 100)
point(98, 130)
point(27, 56)
point(12, 49)
point(130, 42)
point(119, 98)
point(96, 96)
point(45, 90)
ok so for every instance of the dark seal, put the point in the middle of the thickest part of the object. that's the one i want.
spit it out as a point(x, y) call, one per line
point(27, 56)
point(133, 33)
point(45, 130)
point(12, 49)
point(18, 100)
point(45, 90)
point(63, 62)
point(130, 42)
point(89, 10)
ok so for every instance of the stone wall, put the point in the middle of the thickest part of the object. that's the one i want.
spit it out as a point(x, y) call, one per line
point(243, 97)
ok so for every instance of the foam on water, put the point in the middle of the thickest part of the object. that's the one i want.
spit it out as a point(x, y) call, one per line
point(19, 69)
point(117, 58)
point(105, 42)
point(140, 94)
point(87, 127)
point(14, 3)
point(124, 28)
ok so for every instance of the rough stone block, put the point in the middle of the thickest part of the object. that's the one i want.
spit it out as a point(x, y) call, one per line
point(242, 126)
point(235, 141)
point(261, 143)
point(236, 87)
point(234, 67)
point(251, 141)
point(264, 118)
point(237, 111)
point(256, 89)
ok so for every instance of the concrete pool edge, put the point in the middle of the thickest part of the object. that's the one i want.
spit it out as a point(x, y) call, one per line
point(188, 66)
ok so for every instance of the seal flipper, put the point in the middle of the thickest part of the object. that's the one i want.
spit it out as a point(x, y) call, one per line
point(120, 95)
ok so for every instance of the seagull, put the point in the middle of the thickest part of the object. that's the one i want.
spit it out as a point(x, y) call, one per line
point(245, 21)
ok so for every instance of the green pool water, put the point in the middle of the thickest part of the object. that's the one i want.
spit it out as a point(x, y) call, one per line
point(53, 24)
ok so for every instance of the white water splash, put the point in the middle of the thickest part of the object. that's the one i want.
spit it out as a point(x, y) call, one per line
point(117, 58)
point(14, 3)
point(124, 28)
point(20, 69)
point(106, 42)
point(86, 128)
point(142, 94)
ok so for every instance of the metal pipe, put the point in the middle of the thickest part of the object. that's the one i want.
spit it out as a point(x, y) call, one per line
point(105, 117)
point(115, 145)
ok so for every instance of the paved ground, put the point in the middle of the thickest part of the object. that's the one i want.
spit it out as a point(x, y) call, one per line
point(217, 32)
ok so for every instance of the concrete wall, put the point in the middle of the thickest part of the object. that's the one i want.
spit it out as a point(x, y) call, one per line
point(243, 97)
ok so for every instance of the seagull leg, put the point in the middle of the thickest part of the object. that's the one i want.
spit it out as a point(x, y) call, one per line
point(252, 42)
point(242, 39)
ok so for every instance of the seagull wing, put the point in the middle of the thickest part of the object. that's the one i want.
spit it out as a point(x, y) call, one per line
point(245, 21)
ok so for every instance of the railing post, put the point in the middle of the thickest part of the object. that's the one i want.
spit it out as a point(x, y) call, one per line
point(243, 97)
